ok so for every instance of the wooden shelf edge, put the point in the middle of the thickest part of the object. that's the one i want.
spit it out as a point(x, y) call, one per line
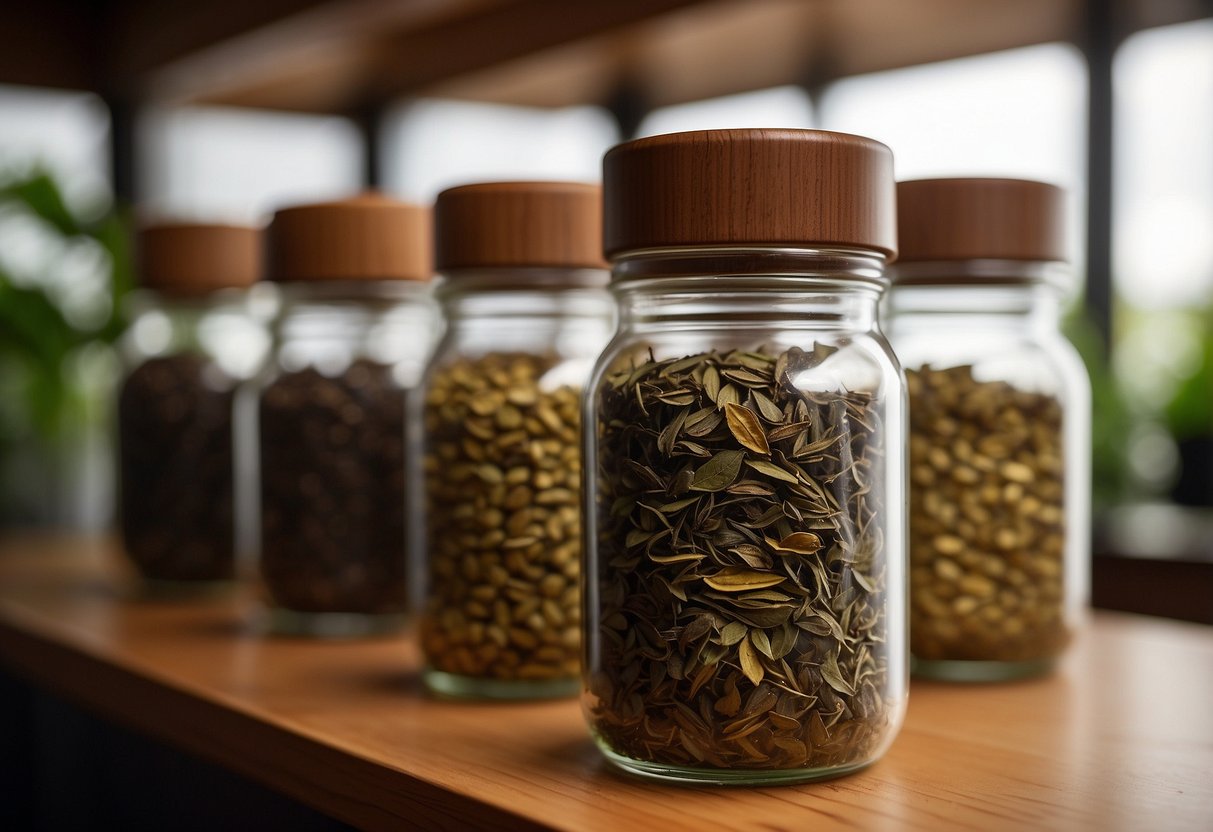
point(350, 789)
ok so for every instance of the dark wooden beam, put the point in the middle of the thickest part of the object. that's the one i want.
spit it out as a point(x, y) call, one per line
point(423, 57)
point(49, 43)
point(1102, 35)
point(147, 35)
point(370, 123)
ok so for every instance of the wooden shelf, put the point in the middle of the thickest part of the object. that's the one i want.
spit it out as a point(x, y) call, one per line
point(1121, 737)
point(350, 56)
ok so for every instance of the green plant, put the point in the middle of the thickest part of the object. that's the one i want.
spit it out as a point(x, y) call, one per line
point(44, 404)
point(1111, 420)
point(1189, 414)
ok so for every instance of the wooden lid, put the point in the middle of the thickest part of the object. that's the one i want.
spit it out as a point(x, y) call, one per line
point(980, 219)
point(196, 259)
point(367, 237)
point(535, 224)
point(749, 187)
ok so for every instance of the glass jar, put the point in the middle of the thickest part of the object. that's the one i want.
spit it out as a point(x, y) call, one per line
point(999, 428)
point(745, 584)
point(527, 314)
point(356, 327)
point(192, 341)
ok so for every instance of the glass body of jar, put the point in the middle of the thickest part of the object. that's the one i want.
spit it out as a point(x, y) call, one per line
point(999, 467)
point(501, 414)
point(185, 358)
point(745, 579)
point(333, 449)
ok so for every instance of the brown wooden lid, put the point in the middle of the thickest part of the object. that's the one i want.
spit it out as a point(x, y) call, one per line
point(749, 187)
point(195, 259)
point(535, 224)
point(367, 237)
point(980, 219)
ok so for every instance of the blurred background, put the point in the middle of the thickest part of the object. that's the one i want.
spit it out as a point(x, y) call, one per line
point(118, 111)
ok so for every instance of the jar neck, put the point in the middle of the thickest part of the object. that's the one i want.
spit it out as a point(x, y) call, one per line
point(739, 288)
point(1029, 305)
point(222, 326)
point(344, 310)
point(331, 325)
point(479, 298)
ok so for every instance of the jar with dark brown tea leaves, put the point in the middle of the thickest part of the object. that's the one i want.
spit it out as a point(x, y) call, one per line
point(356, 328)
point(193, 340)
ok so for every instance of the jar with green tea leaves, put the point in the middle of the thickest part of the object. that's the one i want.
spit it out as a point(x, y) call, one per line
point(999, 428)
point(745, 610)
point(356, 328)
point(527, 312)
point(194, 339)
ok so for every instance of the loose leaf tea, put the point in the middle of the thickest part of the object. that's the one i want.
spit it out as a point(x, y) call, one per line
point(503, 486)
point(332, 491)
point(987, 519)
point(741, 566)
point(175, 428)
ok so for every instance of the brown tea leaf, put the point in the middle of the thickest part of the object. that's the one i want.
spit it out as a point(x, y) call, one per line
point(736, 579)
point(797, 543)
point(750, 665)
point(770, 469)
point(711, 382)
point(746, 428)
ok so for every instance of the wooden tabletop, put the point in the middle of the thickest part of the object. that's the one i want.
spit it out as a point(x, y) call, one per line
point(1120, 738)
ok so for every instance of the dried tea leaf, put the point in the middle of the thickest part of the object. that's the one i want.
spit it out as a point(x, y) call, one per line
point(683, 557)
point(719, 472)
point(677, 397)
point(833, 676)
point(770, 469)
point(762, 643)
point(797, 543)
point(746, 377)
point(746, 428)
point(767, 408)
point(727, 395)
point(736, 579)
point(678, 505)
point(732, 633)
point(711, 382)
point(750, 665)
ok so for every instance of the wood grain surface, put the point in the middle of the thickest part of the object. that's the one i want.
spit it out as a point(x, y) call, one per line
point(1120, 738)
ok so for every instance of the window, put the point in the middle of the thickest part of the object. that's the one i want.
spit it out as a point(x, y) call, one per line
point(1019, 113)
point(65, 133)
point(213, 164)
point(434, 144)
point(777, 107)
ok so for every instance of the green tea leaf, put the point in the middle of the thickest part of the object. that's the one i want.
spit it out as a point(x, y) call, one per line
point(719, 472)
